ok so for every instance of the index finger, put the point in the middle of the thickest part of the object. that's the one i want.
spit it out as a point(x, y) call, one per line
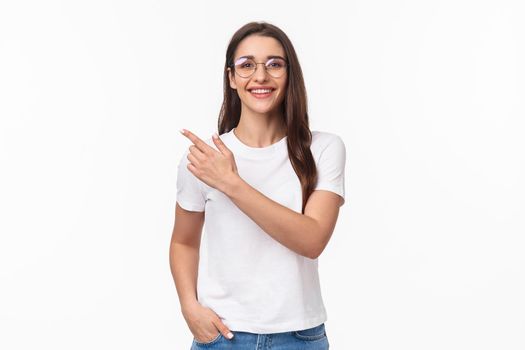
point(200, 144)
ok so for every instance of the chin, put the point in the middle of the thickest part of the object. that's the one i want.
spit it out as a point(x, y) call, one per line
point(263, 110)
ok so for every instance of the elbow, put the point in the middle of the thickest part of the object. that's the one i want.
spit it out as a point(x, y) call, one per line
point(317, 246)
point(315, 252)
point(317, 249)
point(312, 256)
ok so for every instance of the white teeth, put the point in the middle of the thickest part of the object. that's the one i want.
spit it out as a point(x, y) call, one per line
point(261, 91)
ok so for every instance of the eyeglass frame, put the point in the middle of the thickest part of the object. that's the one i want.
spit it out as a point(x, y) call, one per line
point(257, 63)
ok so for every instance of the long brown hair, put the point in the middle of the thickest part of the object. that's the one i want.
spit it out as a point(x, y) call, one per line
point(294, 106)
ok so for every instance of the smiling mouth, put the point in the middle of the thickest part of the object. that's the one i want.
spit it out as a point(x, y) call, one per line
point(261, 93)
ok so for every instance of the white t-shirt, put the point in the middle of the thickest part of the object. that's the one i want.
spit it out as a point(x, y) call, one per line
point(251, 281)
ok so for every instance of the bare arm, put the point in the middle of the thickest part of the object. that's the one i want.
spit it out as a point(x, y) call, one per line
point(203, 322)
point(307, 234)
point(184, 254)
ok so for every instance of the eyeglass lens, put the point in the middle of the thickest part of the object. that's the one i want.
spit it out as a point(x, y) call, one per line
point(245, 67)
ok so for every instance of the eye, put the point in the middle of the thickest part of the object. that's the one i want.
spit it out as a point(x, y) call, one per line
point(275, 63)
point(241, 61)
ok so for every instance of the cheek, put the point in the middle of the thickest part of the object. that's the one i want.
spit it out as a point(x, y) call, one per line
point(283, 85)
point(282, 88)
point(241, 86)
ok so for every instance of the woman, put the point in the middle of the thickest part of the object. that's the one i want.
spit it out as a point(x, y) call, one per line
point(270, 190)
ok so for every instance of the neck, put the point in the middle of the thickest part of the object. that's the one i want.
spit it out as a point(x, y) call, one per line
point(260, 130)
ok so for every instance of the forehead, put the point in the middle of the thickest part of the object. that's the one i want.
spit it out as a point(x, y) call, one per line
point(260, 47)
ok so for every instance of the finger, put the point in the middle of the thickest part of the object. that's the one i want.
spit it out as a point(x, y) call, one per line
point(197, 153)
point(201, 145)
point(192, 169)
point(193, 160)
point(220, 145)
point(223, 329)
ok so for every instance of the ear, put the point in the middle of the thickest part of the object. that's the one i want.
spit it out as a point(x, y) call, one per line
point(231, 76)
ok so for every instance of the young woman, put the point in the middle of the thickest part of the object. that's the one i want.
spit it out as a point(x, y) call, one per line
point(269, 191)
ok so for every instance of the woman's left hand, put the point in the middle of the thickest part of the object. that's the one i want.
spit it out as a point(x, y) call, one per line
point(215, 168)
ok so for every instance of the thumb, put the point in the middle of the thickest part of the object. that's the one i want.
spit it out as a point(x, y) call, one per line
point(223, 329)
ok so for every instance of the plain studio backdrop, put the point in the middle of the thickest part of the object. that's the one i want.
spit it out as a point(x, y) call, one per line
point(428, 96)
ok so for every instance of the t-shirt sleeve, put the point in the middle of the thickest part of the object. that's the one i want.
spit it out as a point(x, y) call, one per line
point(190, 195)
point(331, 168)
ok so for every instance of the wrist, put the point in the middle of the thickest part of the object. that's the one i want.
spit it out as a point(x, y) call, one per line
point(231, 184)
point(188, 305)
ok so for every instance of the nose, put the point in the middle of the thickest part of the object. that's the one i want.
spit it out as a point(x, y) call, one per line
point(260, 74)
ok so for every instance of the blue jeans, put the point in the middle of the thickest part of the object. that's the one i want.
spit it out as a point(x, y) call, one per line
point(306, 339)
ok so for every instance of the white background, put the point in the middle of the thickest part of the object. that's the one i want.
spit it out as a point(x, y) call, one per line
point(428, 97)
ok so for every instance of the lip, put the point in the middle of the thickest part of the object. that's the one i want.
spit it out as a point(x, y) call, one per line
point(261, 96)
point(260, 87)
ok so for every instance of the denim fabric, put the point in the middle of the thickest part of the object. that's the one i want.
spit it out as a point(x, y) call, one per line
point(307, 339)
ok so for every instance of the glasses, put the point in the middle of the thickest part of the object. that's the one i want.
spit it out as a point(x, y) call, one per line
point(246, 66)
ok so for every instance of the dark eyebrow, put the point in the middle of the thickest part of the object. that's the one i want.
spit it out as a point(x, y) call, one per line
point(268, 57)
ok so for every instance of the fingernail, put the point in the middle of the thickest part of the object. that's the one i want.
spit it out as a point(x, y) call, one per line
point(182, 131)
point(215, 136)
point(230, 335)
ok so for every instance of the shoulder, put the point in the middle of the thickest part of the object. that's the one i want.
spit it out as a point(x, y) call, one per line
point(322, 140)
